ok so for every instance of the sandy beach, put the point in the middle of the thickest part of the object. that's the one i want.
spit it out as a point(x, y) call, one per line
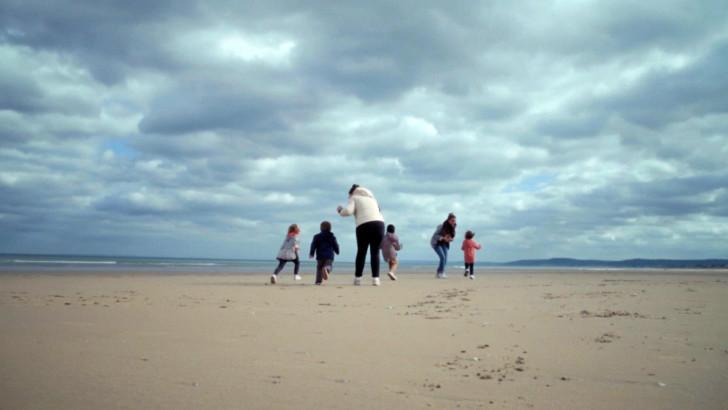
point(509, 339)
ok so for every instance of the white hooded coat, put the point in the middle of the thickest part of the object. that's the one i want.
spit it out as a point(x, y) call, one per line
point(363, 206)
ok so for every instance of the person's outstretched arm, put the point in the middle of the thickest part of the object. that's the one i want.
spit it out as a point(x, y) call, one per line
point(348, 209)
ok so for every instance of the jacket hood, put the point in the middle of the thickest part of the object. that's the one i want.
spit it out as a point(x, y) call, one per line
point(361, 191)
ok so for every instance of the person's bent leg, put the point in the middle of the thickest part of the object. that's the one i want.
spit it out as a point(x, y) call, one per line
point(319, 271)
point(281, 264)
point(376, 234)
point(440, 251)
point(392, 268)
point(444, 260)
point(361, 250)
point(393, 265)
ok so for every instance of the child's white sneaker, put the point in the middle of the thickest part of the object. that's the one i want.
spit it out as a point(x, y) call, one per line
point(375, 281)
point(391, 276)
point(472, 277)
point(357, 281)
point(273, 279)
point(297, 277)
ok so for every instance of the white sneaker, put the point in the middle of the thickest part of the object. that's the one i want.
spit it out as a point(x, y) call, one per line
point(391, 276)
point(375, 282)
point(297, 277)
point(472, 277)
point(273, 279)
point(357, 281)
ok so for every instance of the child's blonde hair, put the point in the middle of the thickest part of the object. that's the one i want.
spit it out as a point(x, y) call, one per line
point(293, 228)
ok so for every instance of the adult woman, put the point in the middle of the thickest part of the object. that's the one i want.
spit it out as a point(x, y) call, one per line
point(369, 229)
point(440, 242)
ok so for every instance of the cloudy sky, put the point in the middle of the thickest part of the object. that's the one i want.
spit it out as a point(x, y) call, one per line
point(182, 128)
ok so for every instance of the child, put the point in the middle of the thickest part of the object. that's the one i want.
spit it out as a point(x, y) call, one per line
point(324, 245)
point(288, 252)
point(469, 247)
point(390, 246)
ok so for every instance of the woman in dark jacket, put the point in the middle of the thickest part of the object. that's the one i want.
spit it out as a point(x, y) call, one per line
point(440, 242)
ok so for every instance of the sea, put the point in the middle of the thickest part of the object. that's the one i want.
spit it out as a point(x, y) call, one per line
point(124, 265)
point(60, 264)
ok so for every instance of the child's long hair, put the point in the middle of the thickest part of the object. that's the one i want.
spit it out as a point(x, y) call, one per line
point(293, 229)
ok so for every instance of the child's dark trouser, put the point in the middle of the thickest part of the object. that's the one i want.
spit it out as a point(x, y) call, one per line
point(322, 264)
point(470, 267)
point(282, 263)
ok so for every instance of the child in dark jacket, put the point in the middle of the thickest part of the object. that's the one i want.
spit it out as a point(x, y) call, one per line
point(324, 246)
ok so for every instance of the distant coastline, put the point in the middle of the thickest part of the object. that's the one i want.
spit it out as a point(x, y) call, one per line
point(623, 264)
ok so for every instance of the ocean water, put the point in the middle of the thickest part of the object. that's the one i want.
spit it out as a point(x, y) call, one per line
point(59, 264)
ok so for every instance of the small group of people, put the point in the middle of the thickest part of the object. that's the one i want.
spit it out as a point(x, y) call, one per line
point(440, 242)
point(370, 238)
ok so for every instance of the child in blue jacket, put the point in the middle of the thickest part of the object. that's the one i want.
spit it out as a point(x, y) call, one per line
point(324, 246)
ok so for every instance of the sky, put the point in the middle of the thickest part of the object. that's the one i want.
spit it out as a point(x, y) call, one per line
point(586, 129)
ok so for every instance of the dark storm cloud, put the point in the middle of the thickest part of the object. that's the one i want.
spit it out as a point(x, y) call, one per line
point(24, 94)
point(19, 93)
point(667, 197)
point(206, 104)
point(673, 96)
point(378, 53)
point(109, 38)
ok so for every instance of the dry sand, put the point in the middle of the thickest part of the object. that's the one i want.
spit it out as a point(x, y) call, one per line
point(515, 339)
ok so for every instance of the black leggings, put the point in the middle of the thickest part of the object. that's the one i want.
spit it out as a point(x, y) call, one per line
point(282, 263)
point(368, 235)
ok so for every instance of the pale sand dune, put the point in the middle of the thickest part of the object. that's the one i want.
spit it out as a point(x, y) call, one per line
point(516, 339)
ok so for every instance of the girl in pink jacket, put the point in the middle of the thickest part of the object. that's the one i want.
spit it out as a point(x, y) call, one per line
point(469, 247)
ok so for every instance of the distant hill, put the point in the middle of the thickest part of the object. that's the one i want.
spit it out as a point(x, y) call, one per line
point(627, 263)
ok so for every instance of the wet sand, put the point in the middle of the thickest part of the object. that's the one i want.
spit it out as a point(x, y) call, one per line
point(508, 339)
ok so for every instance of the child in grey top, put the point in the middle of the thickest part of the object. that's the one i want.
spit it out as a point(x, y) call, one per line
point(288, 253)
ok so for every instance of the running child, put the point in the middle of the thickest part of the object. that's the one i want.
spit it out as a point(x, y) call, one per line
point(324, 246)
point(288, 253)
point(469, 247)
point(390, 246)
